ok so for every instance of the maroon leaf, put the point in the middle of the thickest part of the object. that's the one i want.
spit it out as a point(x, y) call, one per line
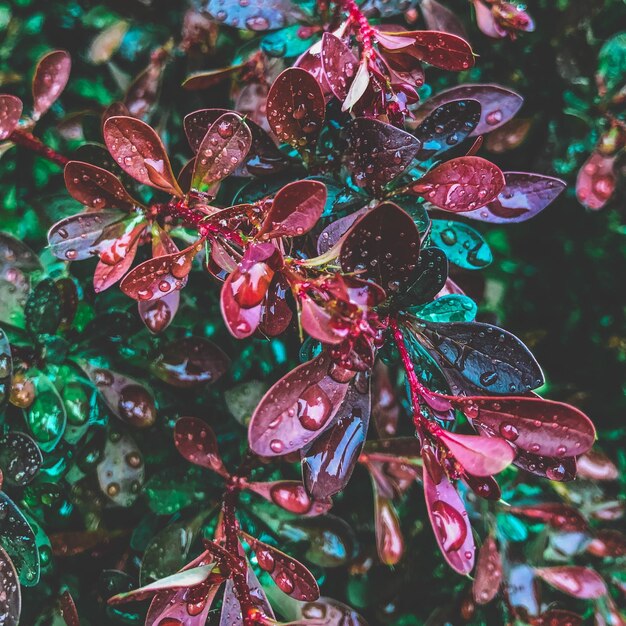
point(391, 241)
point(223, 148)
point(189, 362)
point(538, 426)
point(296, 409)
point(106, 275)
point(331, 235)
point(498, 104)
point(296, 208)
point(558, 617)
point(595, 465)
point(524, 196)
point(128, 399)
point(276, 313)
point(85, 235)
point(480, 456)
point(595, 183)
point(488, 576)
point(196, 442)
point(558, 469)
point(96, 188)
point(186, 606)
point(438, 17)
point(290, 575)
point(560, 516)
point(296, 107)
point(51, 76)
point(378, 153)
point(154, 278)
point(462, 184)
point(291, 496)
point(385, 405)
point(231, 609)
point(339, 65)
point(10, 114)
point(211, 78)
point(576, 581)
point(139, 152)
point(68, 609)
point(389, 539)
point(608, 543)
point(448, 516)
point(158, 314)
point(443, 50)
point(328, 464)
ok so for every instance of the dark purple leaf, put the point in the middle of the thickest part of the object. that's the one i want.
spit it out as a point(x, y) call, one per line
point(17, 255)
point(438, 17)
point(211, 78)
point(143, 93)
point(558, 469)
point(446, 127)
point(331, 235)
point(498, 104)
point(139, 152)
point(488, 577)
point(432, 274)
point(385, 405)
point(383, 246)
point(524, 195)
point(339, 65)
point(190, 361)
point(487, 356)
point(196, 442)
point(296, 108)
point(461, 184)
point(296, 410)
point(172, 607)
point(296, 208)
point(96, 188)
point(231, 609)
point(291, 496)
point(595, 465)
point(377, 153)
point(51, 76)
point(10, 114)
point(560, 617)
point(576, 581)
point(328, 464)
point(332, 612)
point(538, 426)
point(6, 372)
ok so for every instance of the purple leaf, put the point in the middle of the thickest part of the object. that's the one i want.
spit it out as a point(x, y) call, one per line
point(339, 65)
point(196, 442)
point(51, 76)
point(438, 17)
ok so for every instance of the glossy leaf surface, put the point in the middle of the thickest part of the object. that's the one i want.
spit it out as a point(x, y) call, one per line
point(20, 458)
point(463, 245)
point(291, 496)
point(479, 456)
point(576, 581)
point(339, 65)
point(51, 76)
point(596, 181)
point(196, 442)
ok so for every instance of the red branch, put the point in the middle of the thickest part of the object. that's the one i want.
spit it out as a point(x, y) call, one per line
point(365, 30)
point(29, 141)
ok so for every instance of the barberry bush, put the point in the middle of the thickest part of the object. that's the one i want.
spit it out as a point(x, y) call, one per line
point(255, 263)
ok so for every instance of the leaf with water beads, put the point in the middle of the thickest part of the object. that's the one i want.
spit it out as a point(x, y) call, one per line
point(137, 149)
point(461, 184)
point(296, 108)
point(328, 463)
point(126, 398)
point(553, 468)
point(338, 64)
point(18, 539)
point(51, 76)
point(291, 496)
point(487, 356)
point(10, 114)
point(196, 442)
point(20, 458)
point(121, 470)
point(576, 581)
point(16, 254)
point(538, 426)
point(383, 246)
point(183, 605)
point(231, 609)
point(10, 593)
point(255, 15)
point(498, 104)
point(96, 188)
point(595, 183)
point(190, 361)
point(329, 612)
point(463, 245)
point(377, 152)
point(449, 308)
point(446, 127)
point(488, 577)
point(156, 277)
point(290, 575)
point(431, 272)
point(448, 516)
point(224, 147)
point(106, 275)
point(296, 409)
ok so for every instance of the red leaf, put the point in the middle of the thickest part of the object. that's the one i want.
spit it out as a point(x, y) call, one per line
point(10, 114)
point(196, 442)
point(389, 539)
point(377, 152)
point(576, 581)
point(339, 65)
point(158, 314)
point(96, 188)
point(498, 104)
point(558, 617)
point(595, 183)
point(488, 576)
point(560, 516)
point(461, 184)
point(296, 107)
point(224, 147)
point(139, 152)
point(538, 426)
point(154, 278)
point(480, 456)
point(290, 575)
point(448, 516)
point(296, 409)
point(51, 76)
point(595, 465)
point(172, 607)
point(385, 405)
point(442, 50)
point(68, 609)
point(276, 313)
point(608, 543)
point(291, 496)
point(106, 275)
point(296, 208)
point(319, 323)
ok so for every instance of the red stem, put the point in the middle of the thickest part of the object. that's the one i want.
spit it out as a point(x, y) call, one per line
point(365, 30)
point(29, 141)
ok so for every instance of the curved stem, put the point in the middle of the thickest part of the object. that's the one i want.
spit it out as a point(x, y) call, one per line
point(29, 141)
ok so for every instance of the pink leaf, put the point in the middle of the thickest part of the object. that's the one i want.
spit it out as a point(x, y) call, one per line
point(10, 114)
point(488, 577)
point(596, 181)
point(576, 581)
point(480, 456)
point(51, 76)
point(106, 275)
point(291, 496)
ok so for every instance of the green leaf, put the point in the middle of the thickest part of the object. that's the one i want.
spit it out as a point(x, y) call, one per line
point(451, 308)
point(287, 42)
point(463, 245)
point(46, 417)
point(612, 63)
point(44, 309)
